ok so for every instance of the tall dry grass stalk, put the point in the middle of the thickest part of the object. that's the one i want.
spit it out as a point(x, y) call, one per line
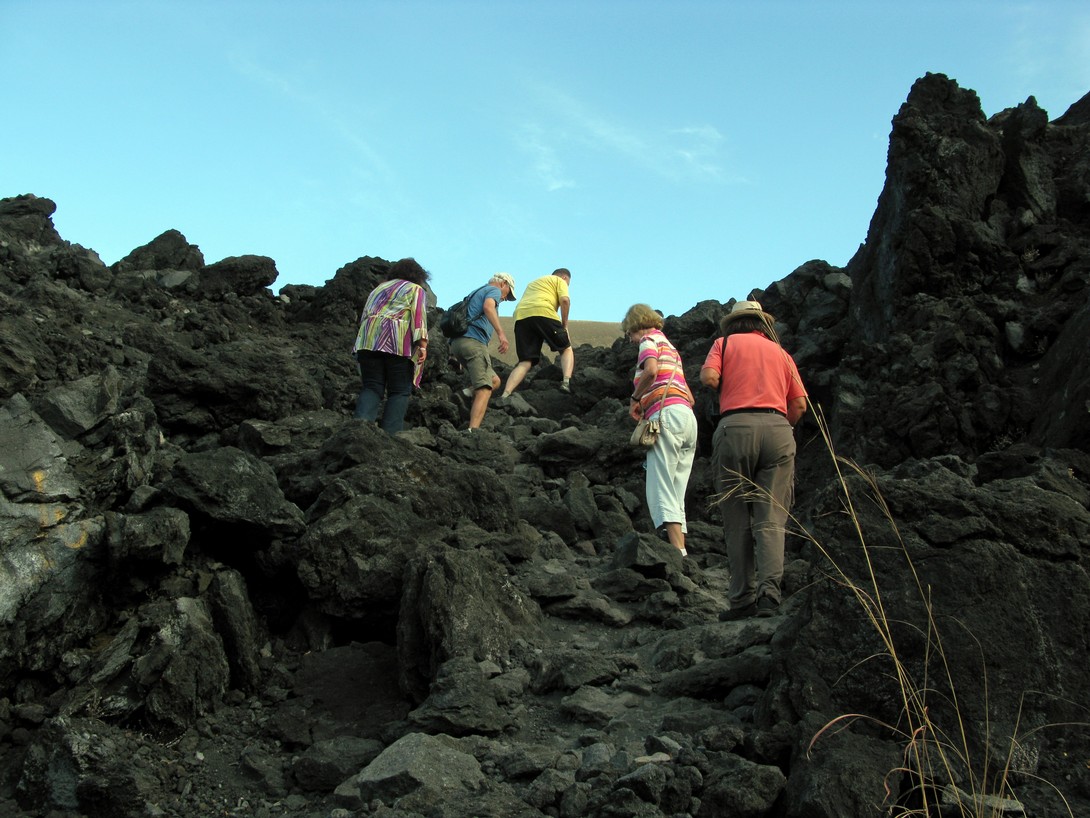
point(937, 756)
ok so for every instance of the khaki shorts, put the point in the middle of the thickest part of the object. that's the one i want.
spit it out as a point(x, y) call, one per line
point(474, 356)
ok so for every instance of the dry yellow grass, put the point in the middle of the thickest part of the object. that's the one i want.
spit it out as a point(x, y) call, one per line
point(595, 333)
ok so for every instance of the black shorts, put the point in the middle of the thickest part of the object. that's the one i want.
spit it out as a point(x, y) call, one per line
point(531, 332)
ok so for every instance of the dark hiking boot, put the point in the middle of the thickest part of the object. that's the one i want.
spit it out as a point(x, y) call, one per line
point(734, 614)
point(767, 606)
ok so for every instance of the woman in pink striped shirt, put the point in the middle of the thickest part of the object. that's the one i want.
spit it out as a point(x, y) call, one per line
point(659, 390)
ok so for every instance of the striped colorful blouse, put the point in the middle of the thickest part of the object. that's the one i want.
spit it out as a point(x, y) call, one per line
point(654, 345)
point(394, 317)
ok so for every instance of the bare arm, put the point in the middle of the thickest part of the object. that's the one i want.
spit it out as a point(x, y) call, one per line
point(712, 375)
point(796, 408)
point(420, 327)
point(643, 384)
point(494, 319)
point(565, 305)
point(647, 377)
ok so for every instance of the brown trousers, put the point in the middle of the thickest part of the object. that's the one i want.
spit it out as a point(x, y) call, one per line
point(753, 456)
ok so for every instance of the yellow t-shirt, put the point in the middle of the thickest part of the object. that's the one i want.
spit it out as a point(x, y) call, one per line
point(542, 297)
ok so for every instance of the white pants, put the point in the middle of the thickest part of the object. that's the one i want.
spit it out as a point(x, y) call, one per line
point(669, 463)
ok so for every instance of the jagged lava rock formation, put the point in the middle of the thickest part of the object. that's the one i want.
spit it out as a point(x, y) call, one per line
point(220, 595)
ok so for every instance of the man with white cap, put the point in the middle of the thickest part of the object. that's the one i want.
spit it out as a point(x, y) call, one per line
point(761, 398)
point(471, 349)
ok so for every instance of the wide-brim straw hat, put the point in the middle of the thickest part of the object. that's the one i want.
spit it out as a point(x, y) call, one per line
point(743, 308)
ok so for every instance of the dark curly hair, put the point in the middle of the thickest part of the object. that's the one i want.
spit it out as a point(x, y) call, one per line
point(409, 270)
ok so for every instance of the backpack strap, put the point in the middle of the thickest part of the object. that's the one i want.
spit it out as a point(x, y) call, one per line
point(470, 298)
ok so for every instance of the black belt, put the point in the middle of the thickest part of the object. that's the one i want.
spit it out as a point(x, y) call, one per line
point(755, 411)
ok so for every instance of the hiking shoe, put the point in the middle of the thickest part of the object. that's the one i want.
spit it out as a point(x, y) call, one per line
point(565, 387)
point(468, 391)
point(734, 614)
point(767, 606)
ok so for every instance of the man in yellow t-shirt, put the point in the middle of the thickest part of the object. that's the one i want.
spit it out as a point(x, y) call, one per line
point(536, 323)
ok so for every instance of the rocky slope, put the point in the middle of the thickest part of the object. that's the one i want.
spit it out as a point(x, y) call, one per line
point(220, 595)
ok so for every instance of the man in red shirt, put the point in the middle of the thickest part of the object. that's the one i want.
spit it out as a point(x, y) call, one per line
point(761, 398)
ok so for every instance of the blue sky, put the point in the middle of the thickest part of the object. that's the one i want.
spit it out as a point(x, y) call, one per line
point(665, 152)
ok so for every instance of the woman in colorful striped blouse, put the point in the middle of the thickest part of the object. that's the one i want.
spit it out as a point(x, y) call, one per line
point(392, 343)
point(659, 390)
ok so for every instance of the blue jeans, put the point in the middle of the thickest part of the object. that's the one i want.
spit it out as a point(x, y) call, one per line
point(382, 373)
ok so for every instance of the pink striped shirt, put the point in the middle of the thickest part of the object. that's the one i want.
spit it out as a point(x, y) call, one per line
point(653, 344)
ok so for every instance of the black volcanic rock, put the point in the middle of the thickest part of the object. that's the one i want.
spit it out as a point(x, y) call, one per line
point(965, 289)
point(219, 594)
point(168, 251)
point(241, 275)
point(1077, 114)
point(27, 218)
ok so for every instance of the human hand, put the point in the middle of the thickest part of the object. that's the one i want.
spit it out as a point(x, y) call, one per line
point(503, 344)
